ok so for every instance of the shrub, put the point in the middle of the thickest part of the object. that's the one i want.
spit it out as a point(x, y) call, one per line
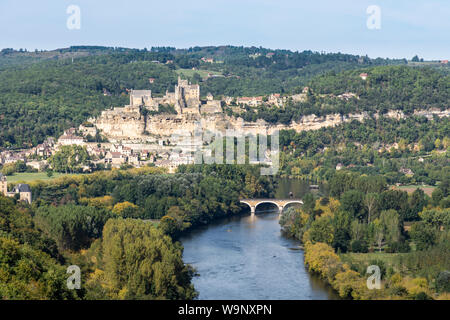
point(422, 296)
point(443, 281)
point(399, 246)
point(346, 282)
point(423, 235)
point(359, 246)
point(399, 291)
point(322, 260)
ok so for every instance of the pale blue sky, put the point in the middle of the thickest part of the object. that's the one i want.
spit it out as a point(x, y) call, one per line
point(408, 27)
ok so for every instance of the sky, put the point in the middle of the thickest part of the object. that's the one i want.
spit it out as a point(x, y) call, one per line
point(406, 27)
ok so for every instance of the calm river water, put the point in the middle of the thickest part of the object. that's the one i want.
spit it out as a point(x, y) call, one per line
point(248, 258)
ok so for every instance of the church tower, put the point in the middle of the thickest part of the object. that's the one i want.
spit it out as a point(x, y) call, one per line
point(3, 185)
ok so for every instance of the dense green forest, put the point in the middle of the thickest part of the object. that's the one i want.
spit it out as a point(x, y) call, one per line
point(93, 221)
point(362, 223)
point(386, 88)
point(195, 195)
point(375, 147)
point(38, 244)
point(43, 93)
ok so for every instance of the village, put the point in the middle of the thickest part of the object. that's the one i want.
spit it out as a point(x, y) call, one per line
point(121, 147)
point(124, 136)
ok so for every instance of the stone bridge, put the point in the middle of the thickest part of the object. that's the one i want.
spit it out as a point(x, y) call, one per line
point(280, 203)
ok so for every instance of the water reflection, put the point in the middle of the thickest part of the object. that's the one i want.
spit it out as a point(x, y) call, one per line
point(248, 258)
point(298, 188)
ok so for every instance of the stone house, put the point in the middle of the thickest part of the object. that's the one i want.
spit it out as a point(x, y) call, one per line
point(250, 101)
point(115, 159)
point(70, 139)
point(23, 190)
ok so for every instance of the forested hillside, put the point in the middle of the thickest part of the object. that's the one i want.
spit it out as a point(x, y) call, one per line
point(93, 221)
point(386, 88)
point(43, 93)
point(376, 147)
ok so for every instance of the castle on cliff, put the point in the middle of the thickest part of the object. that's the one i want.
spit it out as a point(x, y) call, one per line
point(185, 99)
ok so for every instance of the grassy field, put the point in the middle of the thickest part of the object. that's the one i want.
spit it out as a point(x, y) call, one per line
point(27, 177)
point(411, 188)
point(389, 259)
point(190, 72)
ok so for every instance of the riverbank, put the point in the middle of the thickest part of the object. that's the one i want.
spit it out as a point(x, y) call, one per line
point(339, 272)
point(245, 257)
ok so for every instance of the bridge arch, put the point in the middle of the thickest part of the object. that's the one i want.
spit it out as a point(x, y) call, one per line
point(251, 206)
point(272, 202)
point(293, 201)
point(280, 203)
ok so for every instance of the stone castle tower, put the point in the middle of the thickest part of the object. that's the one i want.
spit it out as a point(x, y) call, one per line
point(187, 97)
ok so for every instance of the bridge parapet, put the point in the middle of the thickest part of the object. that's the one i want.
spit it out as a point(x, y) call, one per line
point(280, 203)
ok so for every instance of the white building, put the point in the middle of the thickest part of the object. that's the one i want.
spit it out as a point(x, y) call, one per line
point(69, 139)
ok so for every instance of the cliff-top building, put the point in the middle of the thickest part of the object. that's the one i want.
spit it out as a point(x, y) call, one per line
point(185, 98)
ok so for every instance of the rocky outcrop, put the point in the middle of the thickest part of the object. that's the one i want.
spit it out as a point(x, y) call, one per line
point(128, 123)
point(121, 122)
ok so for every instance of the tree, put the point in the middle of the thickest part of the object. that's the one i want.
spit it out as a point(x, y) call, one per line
point(396, 200)
point(49, 173)
point(438, 218)
point(321, 230)
point(417, 202)
point(127, 210)
point(309, 203)
point(69, 159)
point(438, 143)
point(72, 227)
point(352, 201)
point(371, 204)
point(358, 236)
point(358, 230)
point(390, 222)
point(8, 169)
point(378, 233)
point(341, 225)
point(423, 235)
point(437, 196)
point(140, 262)
point(169, 226)
point(30, 274)
point(443, 281)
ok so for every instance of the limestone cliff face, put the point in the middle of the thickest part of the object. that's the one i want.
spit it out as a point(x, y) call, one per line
point(121, 123)
point(128, 123)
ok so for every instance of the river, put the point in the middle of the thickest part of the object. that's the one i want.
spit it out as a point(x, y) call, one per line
point(246, 257)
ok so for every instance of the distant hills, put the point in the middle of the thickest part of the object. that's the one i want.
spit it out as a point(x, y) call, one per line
point(44, 92)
